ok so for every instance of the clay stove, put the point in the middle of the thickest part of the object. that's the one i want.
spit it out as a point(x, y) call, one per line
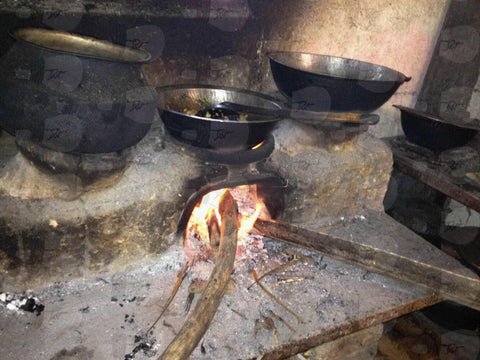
point(63, 224)
point(61, 227)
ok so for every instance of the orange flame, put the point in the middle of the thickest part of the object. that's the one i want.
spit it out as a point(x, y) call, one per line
point(247, 222)
point(208, 207)
point(258, 145)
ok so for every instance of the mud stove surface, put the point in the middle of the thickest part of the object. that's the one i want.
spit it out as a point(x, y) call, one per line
point(101, 317)
point(101, 258)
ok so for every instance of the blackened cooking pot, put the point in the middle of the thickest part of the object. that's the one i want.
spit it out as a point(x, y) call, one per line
point(435, 132)
point(179, 105)
point(71, 93)
point(329, 83)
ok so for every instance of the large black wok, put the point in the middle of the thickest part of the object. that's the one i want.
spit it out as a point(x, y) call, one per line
point(435, 132)
point(329, 83)
point(180, 104)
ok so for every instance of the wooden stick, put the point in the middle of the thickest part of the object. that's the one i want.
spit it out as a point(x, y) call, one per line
point(299, 258)
point(277, 300)
point(180, 276)
point(282, 320)
point(443, 283)
point(199, 320)
point(214, 233)
point(278, 268)
point(291, 280)
point(316, 116)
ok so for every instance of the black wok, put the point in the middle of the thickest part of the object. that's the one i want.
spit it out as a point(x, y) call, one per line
point(329, 83)
point(435, 132)
point(179, 105)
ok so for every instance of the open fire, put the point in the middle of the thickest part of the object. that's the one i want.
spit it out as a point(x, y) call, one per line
point(205, 219)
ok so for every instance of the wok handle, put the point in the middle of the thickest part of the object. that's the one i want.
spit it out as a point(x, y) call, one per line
point(345, 117)
point(304, 115)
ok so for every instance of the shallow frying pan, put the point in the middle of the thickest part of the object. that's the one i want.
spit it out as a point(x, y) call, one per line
point(436, 132)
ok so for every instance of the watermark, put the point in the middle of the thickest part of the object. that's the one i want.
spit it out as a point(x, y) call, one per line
point(63, 132)
point(459, 44)
point(141, 104)
point(228, 15)
point(65, 17)
point(148, 38)
point(62, 73)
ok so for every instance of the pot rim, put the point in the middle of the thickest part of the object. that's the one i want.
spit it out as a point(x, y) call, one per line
point(84, 46)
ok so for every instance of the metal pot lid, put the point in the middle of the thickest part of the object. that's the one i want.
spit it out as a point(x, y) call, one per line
point(80, 45)
point(467, 123)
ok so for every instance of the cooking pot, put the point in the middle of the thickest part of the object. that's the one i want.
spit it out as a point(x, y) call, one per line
point(72, 93)
point(435, 132)
point(329, 83)
point(180, 104)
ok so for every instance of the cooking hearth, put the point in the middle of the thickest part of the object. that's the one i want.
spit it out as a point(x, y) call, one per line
point(105, 239)
point(463, 158)
point(108, 234)
point(59, 231)
point(79, 172)
point(333, 299)
point(230, 169)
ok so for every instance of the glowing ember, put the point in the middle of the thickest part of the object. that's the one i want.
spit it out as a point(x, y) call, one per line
point(258, 145)
point(249, 208)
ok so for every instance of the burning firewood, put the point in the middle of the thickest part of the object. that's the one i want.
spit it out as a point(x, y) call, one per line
point(197, 323)
point(213, 233)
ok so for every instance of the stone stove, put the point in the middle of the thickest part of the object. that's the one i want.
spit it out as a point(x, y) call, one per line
point(60, 229)
point(62, 225)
